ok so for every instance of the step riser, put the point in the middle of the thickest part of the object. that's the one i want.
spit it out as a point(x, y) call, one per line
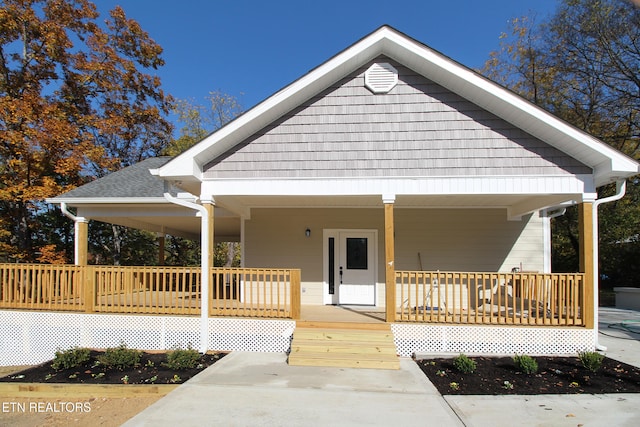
point(298, 348)
point(345, 364)
point(344, 336)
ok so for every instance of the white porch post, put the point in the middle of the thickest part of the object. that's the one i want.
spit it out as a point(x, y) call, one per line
point(206, 248)
point(206, 259)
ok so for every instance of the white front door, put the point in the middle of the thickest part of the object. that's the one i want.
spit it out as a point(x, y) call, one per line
point(350, 266)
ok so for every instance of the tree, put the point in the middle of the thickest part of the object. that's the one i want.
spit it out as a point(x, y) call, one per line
point(586, 59)
point(199, 121)
point(76, 101)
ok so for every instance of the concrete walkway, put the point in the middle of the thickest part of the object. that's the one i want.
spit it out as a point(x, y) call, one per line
point(260, 389)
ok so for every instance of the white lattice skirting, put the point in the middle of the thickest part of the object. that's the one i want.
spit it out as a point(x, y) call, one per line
point(33, 337)
point(413, 339)
point(28, 337)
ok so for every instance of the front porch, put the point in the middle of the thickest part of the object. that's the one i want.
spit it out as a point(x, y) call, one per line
point(46, 307)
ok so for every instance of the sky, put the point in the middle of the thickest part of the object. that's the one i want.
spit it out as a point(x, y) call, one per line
point(250, 49)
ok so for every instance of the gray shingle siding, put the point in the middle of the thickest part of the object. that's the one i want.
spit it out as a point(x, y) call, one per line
point(417, 129)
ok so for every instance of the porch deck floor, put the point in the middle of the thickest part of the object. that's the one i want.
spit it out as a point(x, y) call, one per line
point(341, 314)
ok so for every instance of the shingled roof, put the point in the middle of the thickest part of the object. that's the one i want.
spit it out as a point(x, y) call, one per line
point(134, 181)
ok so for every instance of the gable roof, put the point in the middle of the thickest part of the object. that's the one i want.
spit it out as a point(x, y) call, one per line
point(607, 163)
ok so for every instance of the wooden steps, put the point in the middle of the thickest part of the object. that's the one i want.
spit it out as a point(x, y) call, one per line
point(341, 346)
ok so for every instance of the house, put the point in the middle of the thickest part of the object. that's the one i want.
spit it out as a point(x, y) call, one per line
point(389, 176)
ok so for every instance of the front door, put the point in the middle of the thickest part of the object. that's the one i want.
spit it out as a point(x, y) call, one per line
point(350, 267)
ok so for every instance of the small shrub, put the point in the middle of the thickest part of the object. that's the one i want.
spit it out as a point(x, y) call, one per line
point(70, 358)
point(591, 360)
point(182, 359)
point(526, 364)
point(465, 365)
point(120, 357)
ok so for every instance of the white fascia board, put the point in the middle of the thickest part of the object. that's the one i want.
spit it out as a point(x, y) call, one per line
point(73, 201)
point(445, 185)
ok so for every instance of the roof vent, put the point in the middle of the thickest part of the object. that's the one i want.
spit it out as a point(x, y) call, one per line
point(381, 77)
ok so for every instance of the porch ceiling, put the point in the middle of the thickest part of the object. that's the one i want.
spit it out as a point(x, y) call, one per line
point(182, 222)
point(163, 218)
point(516, 203)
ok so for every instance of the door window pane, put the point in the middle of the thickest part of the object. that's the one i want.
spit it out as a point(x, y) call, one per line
point(332, 267)
point(357, 253)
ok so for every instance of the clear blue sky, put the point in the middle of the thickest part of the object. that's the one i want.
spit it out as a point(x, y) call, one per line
point(251, 49)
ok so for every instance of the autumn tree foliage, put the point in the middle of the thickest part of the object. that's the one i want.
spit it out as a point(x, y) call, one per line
point(582, 64)
point(78, 98)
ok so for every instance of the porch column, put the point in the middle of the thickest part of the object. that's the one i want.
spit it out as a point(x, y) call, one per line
point(81, 226)
point(206, 248)
point(585, 227)
point(389, 258)
point(209, 205)
point(205, 209)
point(81, 235)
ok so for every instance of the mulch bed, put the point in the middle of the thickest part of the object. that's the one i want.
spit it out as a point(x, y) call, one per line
point(556, 375)
point(150, 370)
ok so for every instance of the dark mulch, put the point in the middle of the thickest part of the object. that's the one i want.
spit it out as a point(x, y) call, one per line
point(556, 375)
point(150, 370)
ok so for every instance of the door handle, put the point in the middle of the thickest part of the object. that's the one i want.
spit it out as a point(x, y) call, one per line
point(341, 275)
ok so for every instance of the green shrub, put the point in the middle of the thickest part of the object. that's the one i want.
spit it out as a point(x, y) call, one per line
point(526, 364)
point(67, 359)
point(465, 365)
point(182, 359)
point(591, 360)
point(120, 357)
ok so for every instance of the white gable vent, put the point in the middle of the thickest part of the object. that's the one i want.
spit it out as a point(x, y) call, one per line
point(381, 77)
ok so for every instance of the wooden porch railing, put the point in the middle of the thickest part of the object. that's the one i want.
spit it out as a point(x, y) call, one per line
point(273, 293)
point(144, 290)
point(255, 292)
point(41, 287)
point(490, 298)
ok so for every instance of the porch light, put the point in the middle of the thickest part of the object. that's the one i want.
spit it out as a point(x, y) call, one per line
point(307, 232)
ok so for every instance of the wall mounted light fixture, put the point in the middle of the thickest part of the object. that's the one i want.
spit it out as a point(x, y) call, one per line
point(307, 232)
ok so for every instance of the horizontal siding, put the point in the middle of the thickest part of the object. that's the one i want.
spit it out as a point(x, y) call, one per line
point(417, 129)
point(446, 239)
point(467, 240)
